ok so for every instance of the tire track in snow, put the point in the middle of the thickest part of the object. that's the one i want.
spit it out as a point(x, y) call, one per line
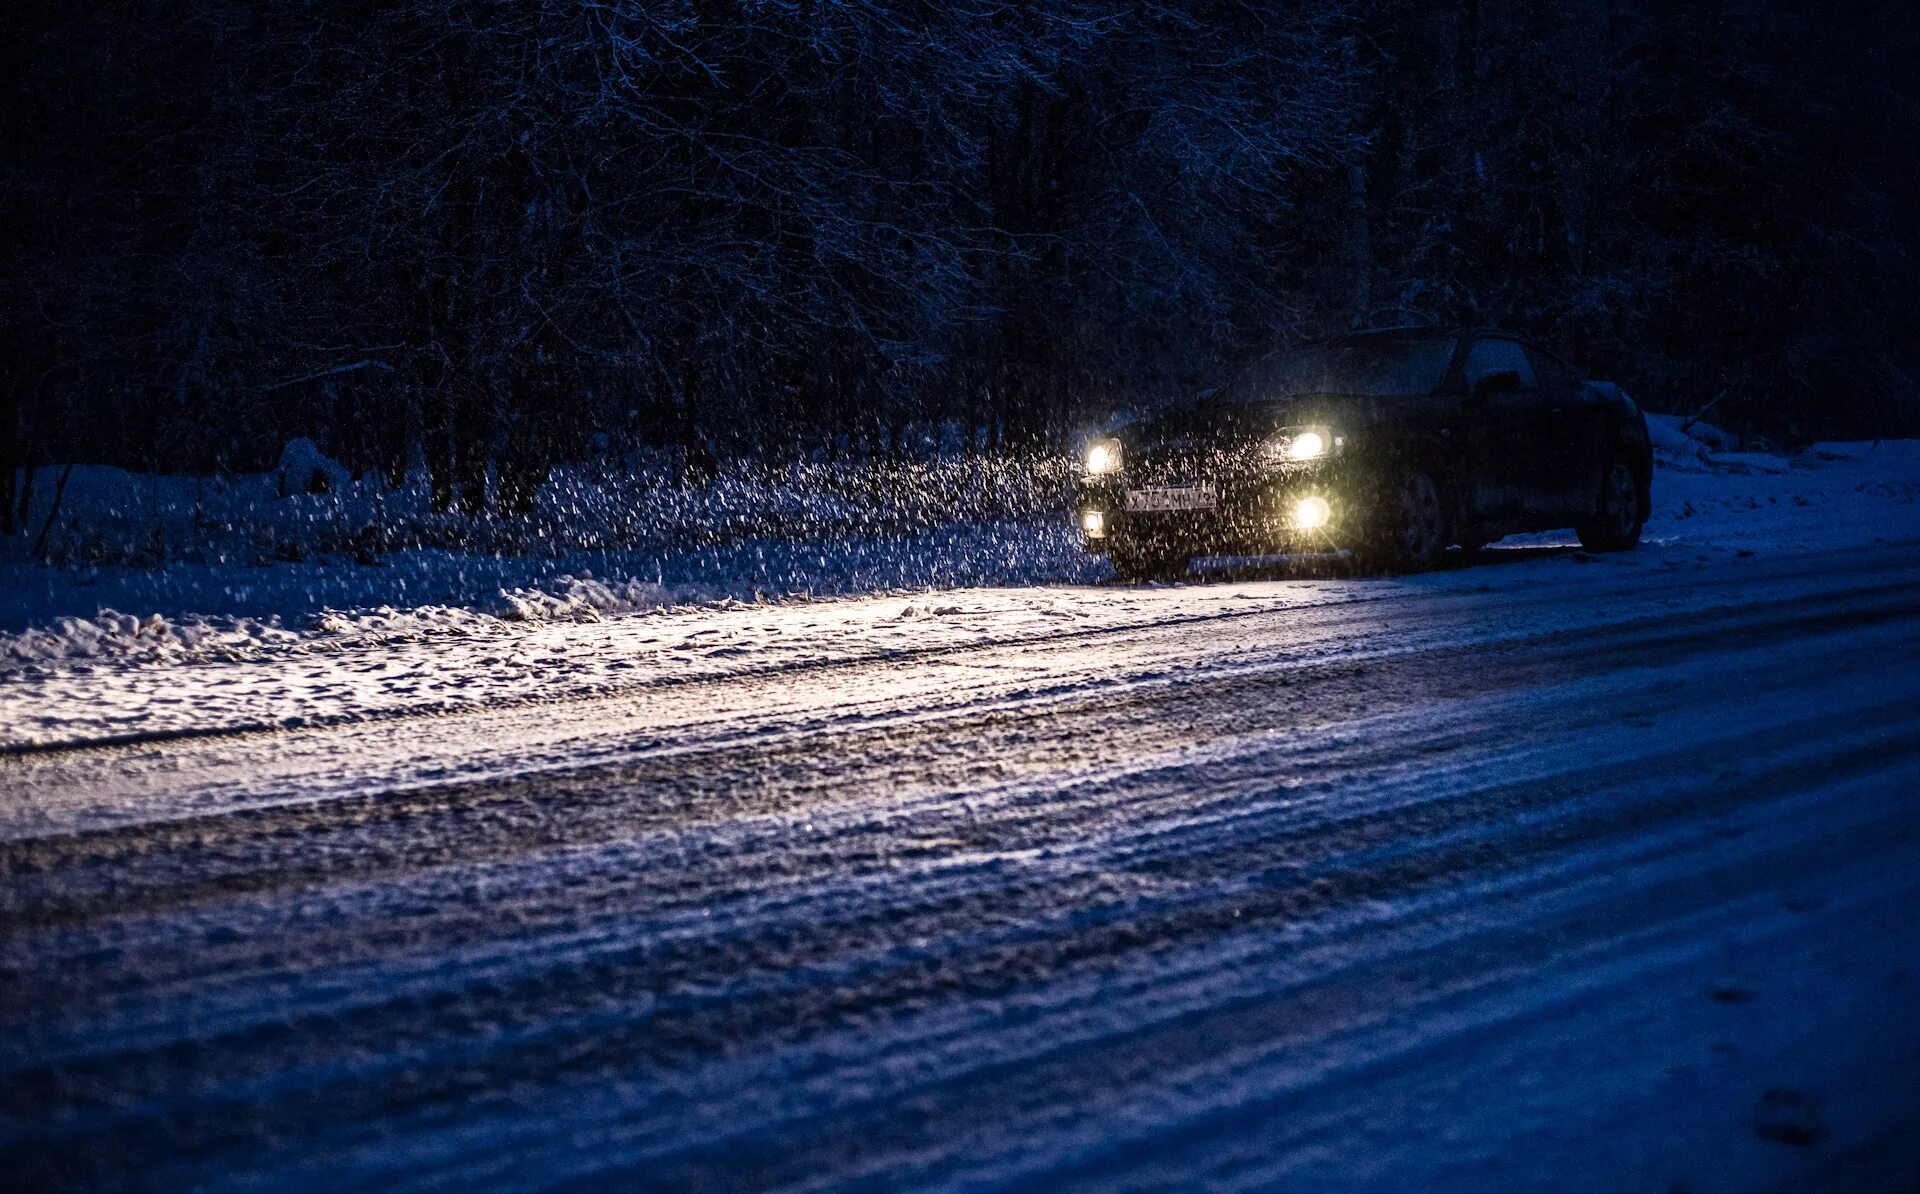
point(106, 873)
point(50, 795)
point(1024, 966)
point(767, 835)
point(966, 1047)
point(1325, 597)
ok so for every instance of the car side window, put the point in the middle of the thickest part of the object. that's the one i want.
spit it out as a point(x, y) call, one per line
point(1554, 375)
point(1491, 356)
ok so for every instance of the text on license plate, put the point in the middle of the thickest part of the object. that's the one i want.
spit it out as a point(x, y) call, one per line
point(1156, 498)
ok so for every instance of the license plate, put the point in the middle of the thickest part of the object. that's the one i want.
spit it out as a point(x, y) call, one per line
point(1155, 499)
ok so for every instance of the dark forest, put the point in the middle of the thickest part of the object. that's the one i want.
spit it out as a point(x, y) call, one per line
point(468, 232)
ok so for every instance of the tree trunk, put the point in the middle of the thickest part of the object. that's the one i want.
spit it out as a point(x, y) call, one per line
point(470, 444)
point(436, 438)
point(26, 497)
point(10, 454)
point(59, 491)
point(1359, 244)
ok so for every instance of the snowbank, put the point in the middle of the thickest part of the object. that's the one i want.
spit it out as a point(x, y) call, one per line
point(113, 636)
point(163, 567)
point(1679, 442)
point(1672, 446)
point(304, 468)
point(579, 599)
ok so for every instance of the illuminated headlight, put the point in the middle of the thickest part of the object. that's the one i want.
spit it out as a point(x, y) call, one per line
point(1296, 447)
point(1311, 513)
point(1103, 457)
point(1305, 446)
point(1094, 523)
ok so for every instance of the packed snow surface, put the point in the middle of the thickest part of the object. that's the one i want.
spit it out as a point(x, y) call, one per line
point(1552, 872)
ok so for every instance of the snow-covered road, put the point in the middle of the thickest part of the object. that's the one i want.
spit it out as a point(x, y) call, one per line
point(1545, 873)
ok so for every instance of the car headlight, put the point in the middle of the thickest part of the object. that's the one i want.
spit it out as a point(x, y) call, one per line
point(1305, 446)
point(1103, 458)
point(1299, 445)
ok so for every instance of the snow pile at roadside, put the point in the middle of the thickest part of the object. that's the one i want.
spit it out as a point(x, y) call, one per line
point(118, 637)
point(228, 566)
point(1672, 446)
point(304, 468)
point(111, 637)
point(1687, 443)
point(1831, 496)
point(54, 617)
point(579, 599)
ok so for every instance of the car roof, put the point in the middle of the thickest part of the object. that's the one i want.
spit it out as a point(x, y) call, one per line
point(1436, 331)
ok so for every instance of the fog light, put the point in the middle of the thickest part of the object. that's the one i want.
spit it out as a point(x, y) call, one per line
point(1311, 513)
point(1094, 524)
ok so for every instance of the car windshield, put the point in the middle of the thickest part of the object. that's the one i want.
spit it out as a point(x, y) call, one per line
point(1382, 368)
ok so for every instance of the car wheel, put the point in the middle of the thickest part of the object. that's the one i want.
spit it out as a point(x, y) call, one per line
point(1136, 562)
point(1413, 528)
point(1616, 526)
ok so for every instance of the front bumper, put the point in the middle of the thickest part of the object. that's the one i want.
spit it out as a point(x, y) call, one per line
point(1252, 515)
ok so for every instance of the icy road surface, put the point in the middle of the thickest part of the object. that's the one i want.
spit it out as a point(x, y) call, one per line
point(1545, 874)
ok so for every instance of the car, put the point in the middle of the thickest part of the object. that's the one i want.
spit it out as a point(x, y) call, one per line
point(1391, 446)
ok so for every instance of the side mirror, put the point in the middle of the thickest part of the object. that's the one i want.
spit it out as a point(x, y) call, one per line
point(1501, 381)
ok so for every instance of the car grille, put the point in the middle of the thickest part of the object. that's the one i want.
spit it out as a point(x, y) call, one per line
point(1178, 468)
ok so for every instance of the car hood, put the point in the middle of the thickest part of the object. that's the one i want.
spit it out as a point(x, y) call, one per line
point(1226, 426)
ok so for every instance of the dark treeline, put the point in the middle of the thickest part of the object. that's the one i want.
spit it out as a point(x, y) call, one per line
point(496, 234)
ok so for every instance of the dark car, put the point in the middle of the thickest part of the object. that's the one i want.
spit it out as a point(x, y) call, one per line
point(1392, 445)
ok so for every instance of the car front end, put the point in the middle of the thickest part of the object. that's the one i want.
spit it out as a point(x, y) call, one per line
point(1291, 490)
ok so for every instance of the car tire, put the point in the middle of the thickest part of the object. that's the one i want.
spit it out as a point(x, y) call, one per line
point(1136, 562)
point(1411, 530)
point(1617, 525)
